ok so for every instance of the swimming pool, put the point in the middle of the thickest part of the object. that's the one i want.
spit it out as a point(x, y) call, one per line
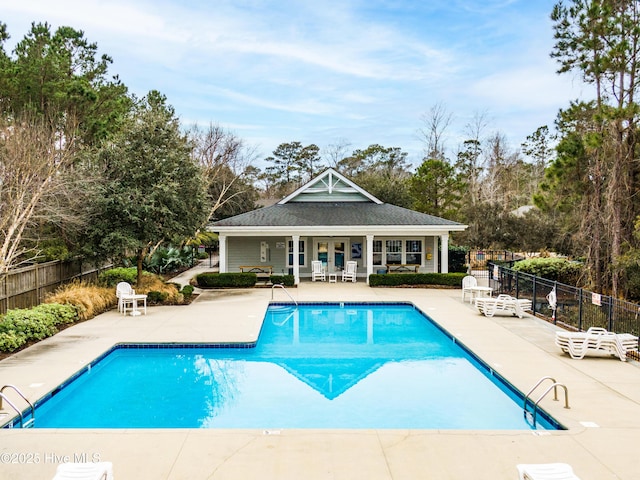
point(317, 365)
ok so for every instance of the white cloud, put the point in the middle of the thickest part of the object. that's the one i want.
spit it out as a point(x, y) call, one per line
point(366, 68)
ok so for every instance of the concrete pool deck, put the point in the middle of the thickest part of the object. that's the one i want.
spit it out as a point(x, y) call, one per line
point(603, 422)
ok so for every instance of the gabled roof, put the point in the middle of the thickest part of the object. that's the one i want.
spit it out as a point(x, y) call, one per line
point(330, 185)
point(332, 200)
point(332, 214)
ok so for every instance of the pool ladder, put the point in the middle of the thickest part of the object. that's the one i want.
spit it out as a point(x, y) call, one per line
point(553, 387)
point(285, 291)
point(23, 424)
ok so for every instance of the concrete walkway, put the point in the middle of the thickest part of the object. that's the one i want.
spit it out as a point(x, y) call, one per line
point(600, 443)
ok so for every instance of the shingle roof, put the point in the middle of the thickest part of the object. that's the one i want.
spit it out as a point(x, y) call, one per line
point(332, 214)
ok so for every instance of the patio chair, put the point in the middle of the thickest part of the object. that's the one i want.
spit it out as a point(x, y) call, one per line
point(84, 471)
point(468, 283)
point(123, 291)
point(318, 271)
point(546, 471)
point(349, 273)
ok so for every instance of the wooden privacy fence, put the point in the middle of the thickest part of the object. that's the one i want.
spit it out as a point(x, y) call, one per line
point(28, 286)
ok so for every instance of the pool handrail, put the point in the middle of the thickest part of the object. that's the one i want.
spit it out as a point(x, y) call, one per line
point(4, 397)
point(285, 291)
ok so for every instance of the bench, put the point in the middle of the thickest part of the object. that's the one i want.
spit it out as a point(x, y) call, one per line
point(261, 271)
point(402, 267)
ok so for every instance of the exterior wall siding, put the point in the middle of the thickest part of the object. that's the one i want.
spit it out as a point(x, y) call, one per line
point(246, 251)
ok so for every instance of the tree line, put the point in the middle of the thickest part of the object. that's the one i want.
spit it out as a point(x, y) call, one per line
point(87, 168)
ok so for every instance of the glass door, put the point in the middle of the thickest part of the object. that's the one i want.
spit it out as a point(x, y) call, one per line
point(331, 252)
point(338, 256)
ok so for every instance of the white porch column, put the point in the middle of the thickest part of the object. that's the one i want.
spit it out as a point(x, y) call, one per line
point(369, 256)
point(435, 254)
point(296, 259)
point(222, 251)
point(444, 245)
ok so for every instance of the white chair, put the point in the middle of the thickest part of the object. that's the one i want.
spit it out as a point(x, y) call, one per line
point(123, 292)
point(128, 299)
point(349, 272)
point(318, 272)
point(468, 283)
point(84, 471)
point(546, 471)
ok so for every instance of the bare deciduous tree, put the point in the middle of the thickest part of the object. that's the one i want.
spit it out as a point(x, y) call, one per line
point(33, 180)
point(225, 160)
point(336, 151)
point(436, 122)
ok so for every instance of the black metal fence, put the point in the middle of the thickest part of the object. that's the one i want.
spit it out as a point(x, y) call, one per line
point(576, 308)
point(478, 260)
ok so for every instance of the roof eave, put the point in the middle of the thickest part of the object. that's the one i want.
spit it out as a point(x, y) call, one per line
point(338, 230)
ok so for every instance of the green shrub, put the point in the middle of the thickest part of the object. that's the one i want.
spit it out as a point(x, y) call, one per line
point(169, 259)
point(10, 341)
point(157, 297)
point(286, 280)
point(632, 284)
point(398, 279)
point(556, 269)
point(19, 326)
point(34, 325)
point(237, 280)
point(113, 276)
point(187, 291)
point(61, 314)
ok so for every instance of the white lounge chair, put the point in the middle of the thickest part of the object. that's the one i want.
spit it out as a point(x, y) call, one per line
point(349, 272)
point(84, 471)
point(546, 471)
point(318, 272)
point(468, 283)
point(503, 303)
point(596, 340)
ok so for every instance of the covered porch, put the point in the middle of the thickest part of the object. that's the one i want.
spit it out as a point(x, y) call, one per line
point(373, 253)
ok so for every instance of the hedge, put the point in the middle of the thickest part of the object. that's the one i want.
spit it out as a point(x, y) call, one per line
point(286, 280)
point(20, 326)
point(556, 269)
point(217, 280)
point(398, 279)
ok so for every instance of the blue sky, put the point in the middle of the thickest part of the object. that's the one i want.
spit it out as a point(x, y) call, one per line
point(326, 72)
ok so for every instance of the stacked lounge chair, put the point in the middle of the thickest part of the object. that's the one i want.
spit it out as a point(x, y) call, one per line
point(503, 303)
point(596, 340)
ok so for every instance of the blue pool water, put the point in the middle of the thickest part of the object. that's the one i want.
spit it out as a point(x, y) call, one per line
point(316, 366)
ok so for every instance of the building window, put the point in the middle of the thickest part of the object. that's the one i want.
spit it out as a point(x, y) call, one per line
point(377, 252)
point(394, 252)
point(301, 253)
point(414, 252)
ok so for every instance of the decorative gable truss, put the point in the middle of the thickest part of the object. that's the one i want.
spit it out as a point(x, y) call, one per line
point(330, 186)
